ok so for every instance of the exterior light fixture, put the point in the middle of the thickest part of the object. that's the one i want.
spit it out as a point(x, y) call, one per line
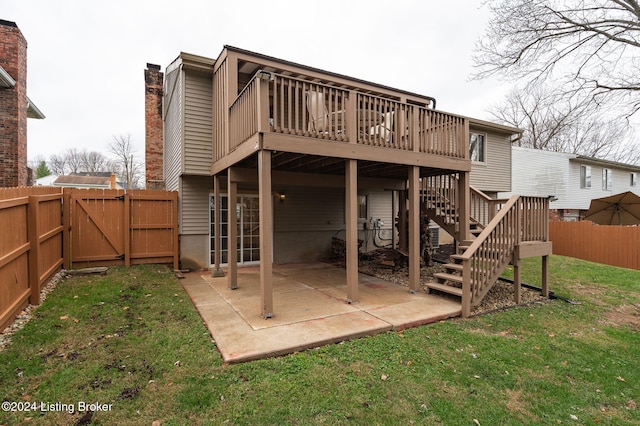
point(265, 75)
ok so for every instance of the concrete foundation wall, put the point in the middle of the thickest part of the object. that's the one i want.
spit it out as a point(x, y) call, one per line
point(194, 252)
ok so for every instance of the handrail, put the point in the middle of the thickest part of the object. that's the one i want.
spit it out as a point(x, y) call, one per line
point(489, 228)
point(483, 208)
point(520, 219)
point(320, 110)
point(486, 257)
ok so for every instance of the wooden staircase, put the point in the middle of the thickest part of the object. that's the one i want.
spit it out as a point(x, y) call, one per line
point(500, 232)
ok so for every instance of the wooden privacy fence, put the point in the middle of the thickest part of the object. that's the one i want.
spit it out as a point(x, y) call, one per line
point(117, 227)
point(611, 245)
point(30, 245)
point(45, 228)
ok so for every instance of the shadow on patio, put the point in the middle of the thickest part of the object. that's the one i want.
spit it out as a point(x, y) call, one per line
point(310, 309)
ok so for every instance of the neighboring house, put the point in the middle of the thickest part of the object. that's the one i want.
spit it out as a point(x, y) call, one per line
point(102, 180)
point(572, 180)
point(308, 156)
point(46, 180)
point(15, 107)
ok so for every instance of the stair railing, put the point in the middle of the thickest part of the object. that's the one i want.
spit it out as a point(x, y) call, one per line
point(482, 207)
point(488, 255)
point(520, 219)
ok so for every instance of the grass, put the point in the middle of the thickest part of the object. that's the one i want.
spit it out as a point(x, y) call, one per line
point(133, 339)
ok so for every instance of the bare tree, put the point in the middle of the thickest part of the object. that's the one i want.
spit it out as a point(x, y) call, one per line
point(554, 122)
point(93, 161)
point(74, 160)
point(587, 46)
point(58, 164)
point(122, 147)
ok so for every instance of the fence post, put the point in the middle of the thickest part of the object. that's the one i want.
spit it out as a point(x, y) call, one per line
point(176, 238)
point(33, 235)
point(127, 229)
point(66, 228)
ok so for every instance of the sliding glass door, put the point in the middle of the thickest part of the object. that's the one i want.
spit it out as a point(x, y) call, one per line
point(248, 228)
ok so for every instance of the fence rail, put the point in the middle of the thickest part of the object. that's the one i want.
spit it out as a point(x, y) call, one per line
point(45, 228)
point(30, 245)
point(611, 245)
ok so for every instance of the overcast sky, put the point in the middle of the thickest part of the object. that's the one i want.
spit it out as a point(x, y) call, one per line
point(86, 59)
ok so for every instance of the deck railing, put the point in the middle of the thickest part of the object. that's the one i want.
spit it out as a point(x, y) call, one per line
point(304, 108)
point(520, 219)
point(483, 207)
point(243, 115)
point(441, 193)
point(299, 107)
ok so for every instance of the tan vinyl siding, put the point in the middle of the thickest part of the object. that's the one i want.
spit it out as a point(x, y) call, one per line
point(380, 207)
point(194, 203)
point(197, 123)
point(310, 209)
point(494, 175)
point(173, 129)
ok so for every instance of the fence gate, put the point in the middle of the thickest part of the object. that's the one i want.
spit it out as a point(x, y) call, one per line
point(97, 227)
point(116, 227)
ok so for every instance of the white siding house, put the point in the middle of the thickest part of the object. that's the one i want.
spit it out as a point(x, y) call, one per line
point(574, 180)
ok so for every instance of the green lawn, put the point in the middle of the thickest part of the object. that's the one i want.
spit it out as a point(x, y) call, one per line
point(132, 339)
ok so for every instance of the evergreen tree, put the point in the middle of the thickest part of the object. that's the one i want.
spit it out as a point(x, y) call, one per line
point(42, 170)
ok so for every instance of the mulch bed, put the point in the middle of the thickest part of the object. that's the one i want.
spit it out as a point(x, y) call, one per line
point(499, 297)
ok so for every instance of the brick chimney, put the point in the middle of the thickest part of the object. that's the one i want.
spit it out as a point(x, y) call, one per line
point(154, 143)
point(13, 107)
point(112, 181)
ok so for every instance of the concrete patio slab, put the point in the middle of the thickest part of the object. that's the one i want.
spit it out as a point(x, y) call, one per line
point(310, 310)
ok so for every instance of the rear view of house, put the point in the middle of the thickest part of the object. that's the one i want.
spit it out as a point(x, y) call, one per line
point(274, 160)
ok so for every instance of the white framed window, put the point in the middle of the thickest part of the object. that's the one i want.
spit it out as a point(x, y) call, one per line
point(585, 176)
point(607, 179)
point(477, 147)
point(634, 179)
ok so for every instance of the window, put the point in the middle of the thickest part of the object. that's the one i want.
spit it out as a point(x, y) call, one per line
point(634, 179)
point(607, 179)
point(585, 177)
point(476, 147)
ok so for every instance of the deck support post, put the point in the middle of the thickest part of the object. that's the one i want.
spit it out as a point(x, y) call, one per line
point(517, 281)
point(266, 233)
point(464, 203)
point(351, 217)
point(545, 276)
point(232, 232)
point(414, 228)
point(217, 245)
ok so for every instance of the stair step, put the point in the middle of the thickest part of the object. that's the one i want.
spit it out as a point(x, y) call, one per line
point(445, 288)
point(453, 267)
point(448, 277)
